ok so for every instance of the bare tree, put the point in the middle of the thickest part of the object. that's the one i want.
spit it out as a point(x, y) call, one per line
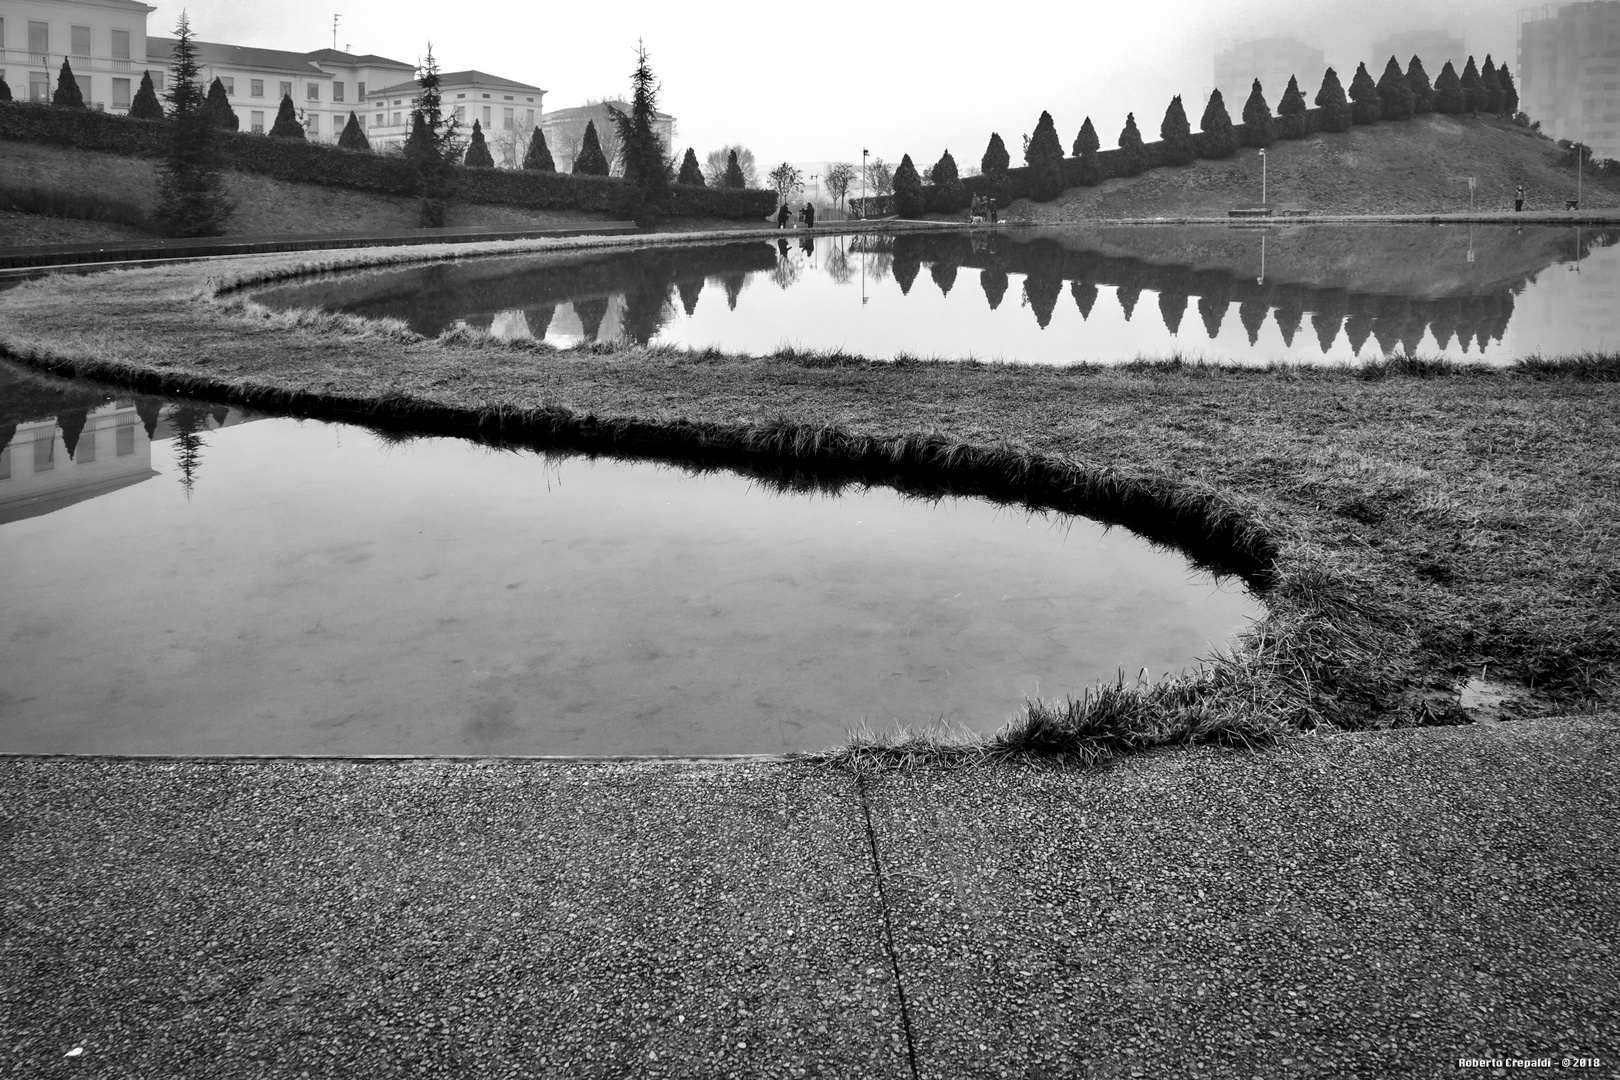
point(840, 175)
point(786, 180)
point(509, 145)
point(714, 166)
point(570, 134)
point(879, 177)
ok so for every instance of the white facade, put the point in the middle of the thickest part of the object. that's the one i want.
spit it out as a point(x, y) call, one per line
point(104, 42)
point(325, 85)
point(499, 105)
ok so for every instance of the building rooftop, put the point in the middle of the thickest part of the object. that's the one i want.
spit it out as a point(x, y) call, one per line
point(590, 112)
point(461, 78)
point(338, 56)
point(210, 52)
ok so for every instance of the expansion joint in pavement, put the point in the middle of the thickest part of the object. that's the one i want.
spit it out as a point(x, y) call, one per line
point(888, 924)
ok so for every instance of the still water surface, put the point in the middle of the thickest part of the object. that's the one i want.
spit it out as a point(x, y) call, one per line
point(1301, 293)
point(189, 579)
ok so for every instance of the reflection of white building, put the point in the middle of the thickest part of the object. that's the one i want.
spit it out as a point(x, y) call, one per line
point(104, 42)
point(38, 475)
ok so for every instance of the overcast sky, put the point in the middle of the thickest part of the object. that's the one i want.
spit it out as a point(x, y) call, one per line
point(804, 83)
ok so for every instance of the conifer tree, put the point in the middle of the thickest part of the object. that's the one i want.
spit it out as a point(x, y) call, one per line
point(1176, 133)
point(538, 157)
point(1365, 105)
point(354, 136)
point(996, 160)
point(1044, 156)
point(146, 105)
point(691, 171)
point(478, 155)
point(287, 125)
point(1291, 111)
point(1331, 100)
point(1448, 92)
point(191, 192)
point(1493, 87)
point(217, 107)
point(734, 178)
point(949, 194)
point(433, 148)
point(1258, 129)
point(1510, 92)
point(1130, 144)
point(591, 161)
point(1395, 94)
point(67, 95)
point(908, 201)
point(1086, 142)
point(1475, 97)
point(641, 150)
point(5, 88)
point(1417, 80)
point(1220, 141)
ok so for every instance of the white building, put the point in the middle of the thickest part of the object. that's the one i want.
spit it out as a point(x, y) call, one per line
point(1272, 60)
point(497, 104)
point(325, 85)
point(1568, 73)
point(565, 130)
point(104, 42)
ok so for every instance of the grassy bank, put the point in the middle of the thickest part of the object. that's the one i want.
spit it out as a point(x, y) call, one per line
point(1410, 523)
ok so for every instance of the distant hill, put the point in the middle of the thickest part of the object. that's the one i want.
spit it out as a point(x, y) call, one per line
point(1419, 166)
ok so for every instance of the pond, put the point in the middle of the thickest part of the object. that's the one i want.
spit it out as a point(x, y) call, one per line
point(186, 578)
point(1306, 293)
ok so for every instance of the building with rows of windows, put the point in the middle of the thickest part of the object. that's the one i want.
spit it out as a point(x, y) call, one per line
point(499, 105)
point(1569, 72)
point(104, 41)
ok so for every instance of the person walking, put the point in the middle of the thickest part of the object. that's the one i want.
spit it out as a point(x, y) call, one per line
point(1518, 200)
point(809, 215)
point(782, 216)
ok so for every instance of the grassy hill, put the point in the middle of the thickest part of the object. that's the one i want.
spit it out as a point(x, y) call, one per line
point(123, 192)
point(1420, 166)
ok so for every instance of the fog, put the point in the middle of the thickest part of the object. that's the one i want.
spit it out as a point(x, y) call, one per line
point(822, 82)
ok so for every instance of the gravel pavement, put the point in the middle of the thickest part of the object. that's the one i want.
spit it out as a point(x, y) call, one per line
point(1372, 905)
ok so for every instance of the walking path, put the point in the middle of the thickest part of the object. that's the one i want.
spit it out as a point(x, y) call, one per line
point(1375, 905)
point(161, 250)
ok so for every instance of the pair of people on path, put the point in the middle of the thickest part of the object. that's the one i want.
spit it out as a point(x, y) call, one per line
point(807, 216)
point(983, 209)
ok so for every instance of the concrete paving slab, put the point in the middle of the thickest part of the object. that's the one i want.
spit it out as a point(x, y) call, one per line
point(1376, 905)
point(439, 919)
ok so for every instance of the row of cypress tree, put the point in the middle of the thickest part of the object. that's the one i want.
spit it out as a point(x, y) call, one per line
point(1397, 95)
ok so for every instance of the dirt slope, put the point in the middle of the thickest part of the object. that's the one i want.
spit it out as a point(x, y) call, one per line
point(1419, 166)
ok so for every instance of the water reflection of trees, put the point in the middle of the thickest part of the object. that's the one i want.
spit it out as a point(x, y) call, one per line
point(1393, 322)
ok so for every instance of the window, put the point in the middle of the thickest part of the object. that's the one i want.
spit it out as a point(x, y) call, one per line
point(312, 91)
point(362, 122)
point(508, 97)
point(256, 123)
point(79, 40)
point(45, 452)
point(461, 112)
point(360, 91)
point(2, 31)
point(486, 95)
point(313, 124)
point(397, 119)
point(458, 98)
point(337, 91)
point(229, 84)
point(39, 86)
point(506, 119)
point(158, 79)
point(39, 41)
point(256, 87)
point(120, 50)
point(531, 118)
point(85, 452)
point(120, 93)
point(125, 444)
point(382, 119)
point(486, 115)
point(286, 89)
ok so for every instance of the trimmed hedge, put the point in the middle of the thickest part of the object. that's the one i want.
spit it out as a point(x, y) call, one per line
point(383, 174)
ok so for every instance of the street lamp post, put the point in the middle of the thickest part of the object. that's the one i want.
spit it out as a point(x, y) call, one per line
point(1262, 177)
point(864, 152)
